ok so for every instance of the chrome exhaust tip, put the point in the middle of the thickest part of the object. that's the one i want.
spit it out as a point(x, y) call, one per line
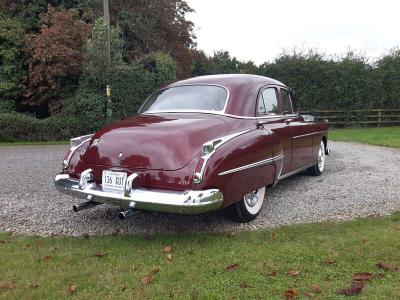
point(84, 205)
point(127, 213)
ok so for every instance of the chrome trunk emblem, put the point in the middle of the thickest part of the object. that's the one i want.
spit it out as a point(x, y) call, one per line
point(95, 142)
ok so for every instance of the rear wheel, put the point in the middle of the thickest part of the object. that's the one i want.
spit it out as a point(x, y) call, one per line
point(319, 166)
point(248, 208)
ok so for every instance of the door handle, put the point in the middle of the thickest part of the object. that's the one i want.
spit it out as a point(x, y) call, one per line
point(288, 121)
point(260, 124)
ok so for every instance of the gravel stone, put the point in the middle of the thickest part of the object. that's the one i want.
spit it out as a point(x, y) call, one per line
point(359, 180)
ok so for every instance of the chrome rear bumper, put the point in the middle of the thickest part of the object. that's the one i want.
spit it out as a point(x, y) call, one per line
point(185, 202)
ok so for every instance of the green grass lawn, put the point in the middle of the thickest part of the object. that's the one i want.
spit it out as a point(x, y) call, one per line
point(325, 256)
point(383, 136)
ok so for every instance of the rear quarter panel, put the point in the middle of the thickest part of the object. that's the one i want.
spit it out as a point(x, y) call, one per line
point(243, 150)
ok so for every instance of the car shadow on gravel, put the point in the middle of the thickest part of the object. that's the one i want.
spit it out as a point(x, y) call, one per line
point(147, 222)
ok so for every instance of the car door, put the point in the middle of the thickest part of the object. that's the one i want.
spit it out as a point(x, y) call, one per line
point(271, 117)
point(301, 139)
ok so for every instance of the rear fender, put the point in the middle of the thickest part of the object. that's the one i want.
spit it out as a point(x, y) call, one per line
point(237, 167)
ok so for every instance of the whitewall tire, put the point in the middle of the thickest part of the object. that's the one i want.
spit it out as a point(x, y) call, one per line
point(249, 207)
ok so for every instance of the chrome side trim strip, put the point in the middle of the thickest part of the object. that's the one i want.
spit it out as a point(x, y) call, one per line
point(308, 134)
point(218, 114)
point(252, 165)
point(295, 171)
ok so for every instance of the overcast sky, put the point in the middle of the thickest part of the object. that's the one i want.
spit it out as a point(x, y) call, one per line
point(258, 30)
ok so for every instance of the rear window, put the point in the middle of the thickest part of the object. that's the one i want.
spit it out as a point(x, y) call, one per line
point(190, 97)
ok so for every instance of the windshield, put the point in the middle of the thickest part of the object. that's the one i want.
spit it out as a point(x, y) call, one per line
point(189, 97)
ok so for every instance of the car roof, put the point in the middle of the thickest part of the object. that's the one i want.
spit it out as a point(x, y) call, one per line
point(243, 89)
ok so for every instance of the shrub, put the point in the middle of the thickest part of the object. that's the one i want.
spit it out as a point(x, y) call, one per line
point(131, 84)
point(88, 105)
point(15, 127)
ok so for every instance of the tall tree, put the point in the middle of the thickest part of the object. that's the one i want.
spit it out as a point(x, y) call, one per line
point(11, 61)
point(156, 25)
point(55, 56)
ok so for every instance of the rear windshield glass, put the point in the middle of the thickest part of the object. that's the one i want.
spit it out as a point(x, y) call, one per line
point(190, 97)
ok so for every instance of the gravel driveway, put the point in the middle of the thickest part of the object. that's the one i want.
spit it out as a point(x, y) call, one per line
point(359, 180)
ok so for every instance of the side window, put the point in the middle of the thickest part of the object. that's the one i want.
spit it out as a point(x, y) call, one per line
point(261, 107)
point(287, 102)
point(270, 101)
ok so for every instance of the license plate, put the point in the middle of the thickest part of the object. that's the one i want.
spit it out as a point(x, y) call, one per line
point(114, 182)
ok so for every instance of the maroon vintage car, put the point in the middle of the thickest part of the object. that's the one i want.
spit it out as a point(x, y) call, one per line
point(197, 145)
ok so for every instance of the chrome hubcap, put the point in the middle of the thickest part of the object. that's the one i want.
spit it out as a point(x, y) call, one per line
point(321, 157)
point(252, 198)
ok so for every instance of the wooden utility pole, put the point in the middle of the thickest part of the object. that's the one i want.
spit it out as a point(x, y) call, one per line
point(108, 54)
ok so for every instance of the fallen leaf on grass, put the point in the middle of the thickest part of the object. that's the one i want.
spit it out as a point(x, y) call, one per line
point(232, 267)
point(244, 285)
point(362, 277)
point(273, 273)
point(148, 237)
point(172, 294)
point(167, 249)
point(194, 294)
point(169, 257)
point(100, 254)
point(316, 288)
point(38, 243)
point(6, 285)
point(47, 257)
point(72, 288)
point(33, 285)
point(328, 261)
point(352, 290)
point(231, 234)
point(373, 216)
point(155, 271)
point(293, 273)
point(146, 280)
point(290, 293)
point(116, 232)
point(309, 295)
point(387, 266)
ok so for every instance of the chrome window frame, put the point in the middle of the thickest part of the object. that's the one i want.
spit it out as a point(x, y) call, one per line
point(186, 110)
point(223, 112)
point(260, 95)
point(290, 99)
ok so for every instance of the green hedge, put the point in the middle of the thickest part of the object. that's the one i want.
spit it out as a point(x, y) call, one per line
point(85, 112)
point(15, 127)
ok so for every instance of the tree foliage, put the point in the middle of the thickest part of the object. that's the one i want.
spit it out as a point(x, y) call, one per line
point(388, 71)
point(326, 83)
point(156, 25)
point(11, 61)
point(55, 56)
point(95, 62)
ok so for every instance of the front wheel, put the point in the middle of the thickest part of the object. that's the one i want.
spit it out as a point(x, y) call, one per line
point(248, 208)
point(319, 166)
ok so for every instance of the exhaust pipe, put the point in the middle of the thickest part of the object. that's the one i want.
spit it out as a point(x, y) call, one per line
point(84, 205)
point(127, 213)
